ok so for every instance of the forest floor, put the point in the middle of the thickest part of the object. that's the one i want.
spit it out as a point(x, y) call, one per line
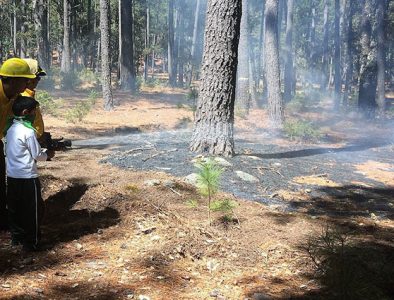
point(122, 222)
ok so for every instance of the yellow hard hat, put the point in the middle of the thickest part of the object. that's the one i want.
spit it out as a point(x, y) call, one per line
point(16, 67)
point(35, 67)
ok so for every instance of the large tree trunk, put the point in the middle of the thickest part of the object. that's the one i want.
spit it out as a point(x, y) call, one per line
point(23, 28)
point(325, 72)
point(214, 120)
point(348, 53)
point(181, 48)
point(275, 101)
point(194, 41)
point(66, 54)
point(171, 44)
point(289, 69)
point(105, 56)
point(260, 48)
point(14, 28)
point(312, 49)
point(380, 56)
point(242, 100)
point(337, 58)
point(41, 29)
point(281, 5)
point(147, 43)
point(368, 67)
point(126, 58)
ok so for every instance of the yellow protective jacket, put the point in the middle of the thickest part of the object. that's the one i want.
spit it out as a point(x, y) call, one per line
point(6, 113)
point(5, 109)
point(38, 123)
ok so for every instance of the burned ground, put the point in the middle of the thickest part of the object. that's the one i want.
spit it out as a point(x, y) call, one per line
point(321, 215)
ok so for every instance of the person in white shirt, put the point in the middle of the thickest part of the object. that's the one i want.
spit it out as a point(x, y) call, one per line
point(24, 201)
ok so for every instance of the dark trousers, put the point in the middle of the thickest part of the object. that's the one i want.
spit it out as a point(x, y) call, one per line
point(25, 210)
point(3, 209)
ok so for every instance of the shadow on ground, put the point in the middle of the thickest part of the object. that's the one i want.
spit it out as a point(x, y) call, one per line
point(351, 200)
point(62, 223)
point(346, 267)
point(358, 146)
point(78, 290)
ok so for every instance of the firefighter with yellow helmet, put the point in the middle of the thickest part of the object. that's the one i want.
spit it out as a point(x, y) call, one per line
point(15, 74)
point(30, 91)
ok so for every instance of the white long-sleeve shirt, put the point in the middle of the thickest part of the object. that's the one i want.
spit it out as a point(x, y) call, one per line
point(22, 151)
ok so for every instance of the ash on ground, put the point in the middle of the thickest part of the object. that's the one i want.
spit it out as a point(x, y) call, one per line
point(261, 168)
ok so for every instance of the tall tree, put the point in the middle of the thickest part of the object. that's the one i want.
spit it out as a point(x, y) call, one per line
point(194, 41)
point(23, 21)
point(275, 101)
point(337, 58)
point(348, 53)
point(242, 100)
point(147, 42)
point(171, 44)
point(66, 54)
point(14, 27)
point(126, 56)
point(368, 67)
point(289, 69)
point(214, 119)
point(181, 47)
point(380, 55)
point(260, 53)
point(311, 52)
point(41, 29)
point(105, 56)
point(325, 77)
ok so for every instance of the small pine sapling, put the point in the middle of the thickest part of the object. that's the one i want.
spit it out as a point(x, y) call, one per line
point(225, 206)
point(208, 179)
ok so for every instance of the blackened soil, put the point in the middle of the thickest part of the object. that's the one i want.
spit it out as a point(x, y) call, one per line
point(274, 166)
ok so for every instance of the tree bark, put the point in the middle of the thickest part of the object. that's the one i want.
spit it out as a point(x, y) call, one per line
point(289, 69)
point(23, 28)
point(194, 41)
point(14, 28)
point(181, 48)
point(105, 56)
point(66, 54)
point(368, 68)
point(242, 99)
point(126, 58)
point(260, 53)
point(41, 30)
point(312, 34)
point(348, 53)
point(325, 71)
point(147, 43)
point(195, 28)
point(380, 56)
point(337, 58)
point(275, 101)
point(171, 44)
point(214, 119)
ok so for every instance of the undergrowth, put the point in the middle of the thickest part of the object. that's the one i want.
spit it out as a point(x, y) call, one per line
point(301, 130)
point(349, 268)
point(47, 104)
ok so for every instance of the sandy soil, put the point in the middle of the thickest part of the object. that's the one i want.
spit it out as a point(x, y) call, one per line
point(109, 235)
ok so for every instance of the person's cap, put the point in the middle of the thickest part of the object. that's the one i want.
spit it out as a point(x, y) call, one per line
point(16, 67)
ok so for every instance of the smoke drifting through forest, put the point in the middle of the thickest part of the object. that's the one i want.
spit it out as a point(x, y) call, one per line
point(339, 49)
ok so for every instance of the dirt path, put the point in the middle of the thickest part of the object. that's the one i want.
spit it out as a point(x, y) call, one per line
point(110, 235)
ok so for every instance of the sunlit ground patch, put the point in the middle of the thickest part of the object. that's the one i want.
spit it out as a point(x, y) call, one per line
point(315, 180)
point(382, 172)
point(299, 196)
